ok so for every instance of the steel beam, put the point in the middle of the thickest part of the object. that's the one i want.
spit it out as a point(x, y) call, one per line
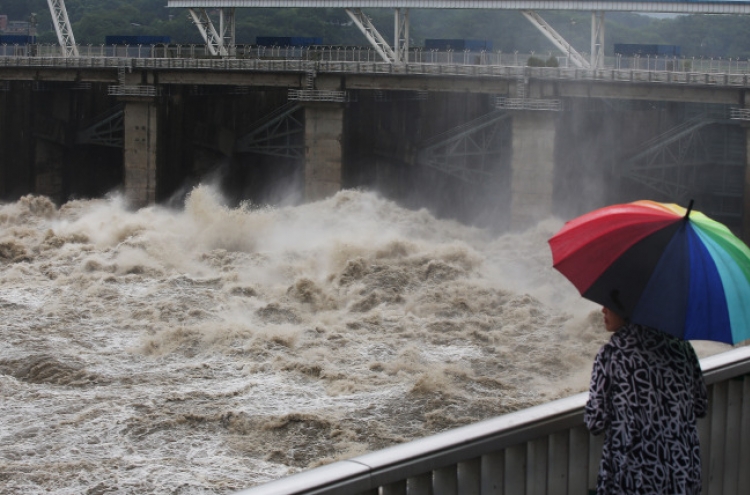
point(220, 42)
point(278, 134)
point(674, 164)
point(108, 130)
point(648, 6)
point(63, 28)
point(471, 152)
point(401, 35)
point(597, 39)
point(364, 23)
point(556, 39)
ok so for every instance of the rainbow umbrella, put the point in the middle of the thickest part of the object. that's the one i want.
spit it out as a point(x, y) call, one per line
point(662, 266)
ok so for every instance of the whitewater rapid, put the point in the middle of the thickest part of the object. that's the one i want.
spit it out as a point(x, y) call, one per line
point(208, 349)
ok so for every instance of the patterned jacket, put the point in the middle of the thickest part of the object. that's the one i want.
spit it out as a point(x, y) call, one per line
point(647, 390)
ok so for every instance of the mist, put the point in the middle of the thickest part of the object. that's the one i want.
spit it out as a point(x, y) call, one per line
point(213, 344)
point(210, 348)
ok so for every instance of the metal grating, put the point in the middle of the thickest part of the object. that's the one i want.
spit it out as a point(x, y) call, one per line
point(141, 90)
point(739, 113)
point(317, 95)
point(543, 104)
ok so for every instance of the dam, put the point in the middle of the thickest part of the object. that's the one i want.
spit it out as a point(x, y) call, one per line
point(480, 135)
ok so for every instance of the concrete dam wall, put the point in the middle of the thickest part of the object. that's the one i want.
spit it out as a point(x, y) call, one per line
point(423, 149)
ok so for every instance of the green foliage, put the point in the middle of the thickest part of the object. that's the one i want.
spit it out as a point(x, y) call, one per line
point(535, 62)
point(697, 35)
point(538, 62)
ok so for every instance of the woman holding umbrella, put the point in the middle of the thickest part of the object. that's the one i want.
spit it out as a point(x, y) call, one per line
point(664, 276)
point(646, 392)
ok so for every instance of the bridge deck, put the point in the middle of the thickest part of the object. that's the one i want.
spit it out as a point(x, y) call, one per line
point(675, 6)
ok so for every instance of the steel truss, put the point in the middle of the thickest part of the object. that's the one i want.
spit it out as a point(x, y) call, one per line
point(472, 152)
point(549, 32)
point(597, 39)
point(63, 29)
point(220, 42)
point(278, 134)
point(395, 55)
point(107, 130)
point(699, 158)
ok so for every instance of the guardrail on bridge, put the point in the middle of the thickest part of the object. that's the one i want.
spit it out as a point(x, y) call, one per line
point(541, 450)
point(343, 53)
point(694, 79)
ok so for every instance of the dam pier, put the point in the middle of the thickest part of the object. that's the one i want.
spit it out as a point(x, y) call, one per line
point(479, 138)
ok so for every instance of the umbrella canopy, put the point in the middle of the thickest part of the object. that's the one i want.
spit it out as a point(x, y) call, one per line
point(662, 266)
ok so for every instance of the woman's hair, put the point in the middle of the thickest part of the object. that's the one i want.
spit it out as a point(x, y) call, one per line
point(619, 308)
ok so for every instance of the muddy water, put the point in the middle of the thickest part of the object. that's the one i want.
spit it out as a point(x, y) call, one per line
point(210, 349)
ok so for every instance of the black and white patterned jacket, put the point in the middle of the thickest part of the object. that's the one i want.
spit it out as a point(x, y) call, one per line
point(647, 390)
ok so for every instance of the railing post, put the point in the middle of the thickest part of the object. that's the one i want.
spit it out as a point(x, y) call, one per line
point(718, 425)
point(469, 477)
point(515, 469)
point(558, 469)
point(578, 472)
point(420, 485)
point(446, 481)
point(397, 488)
point(536, 481)
point(743, 483)
point(732, 462)
point(493, 473)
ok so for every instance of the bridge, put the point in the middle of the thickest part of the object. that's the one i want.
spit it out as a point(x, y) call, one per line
point(316, 90)
point(222, 40)
point(512, 125)
point(321, 87)
point(219, 35)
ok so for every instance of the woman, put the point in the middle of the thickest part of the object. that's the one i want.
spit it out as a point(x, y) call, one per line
point(646, 392)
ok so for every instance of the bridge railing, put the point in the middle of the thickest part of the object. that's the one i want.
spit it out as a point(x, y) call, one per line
point(349, 67)
point(541, 450)
point(341, 53)
point(192, 57)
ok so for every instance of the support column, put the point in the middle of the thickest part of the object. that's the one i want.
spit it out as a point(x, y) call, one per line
point(139, 154)
point(324, 124)
point(532, 166)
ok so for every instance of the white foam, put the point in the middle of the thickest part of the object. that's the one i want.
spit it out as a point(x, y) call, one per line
point(209, 349)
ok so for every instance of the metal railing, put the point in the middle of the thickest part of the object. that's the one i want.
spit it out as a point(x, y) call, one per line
point(342, 53)
point(713, 79)
point(317, 95)
point(541, 450)
point(548, 104)
point(139, 90)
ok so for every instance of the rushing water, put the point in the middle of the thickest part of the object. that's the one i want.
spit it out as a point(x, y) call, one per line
point(210, 349)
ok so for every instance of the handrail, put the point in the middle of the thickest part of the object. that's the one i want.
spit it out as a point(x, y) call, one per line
point(369, 471)
point(719, 72)
point(604, 75)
